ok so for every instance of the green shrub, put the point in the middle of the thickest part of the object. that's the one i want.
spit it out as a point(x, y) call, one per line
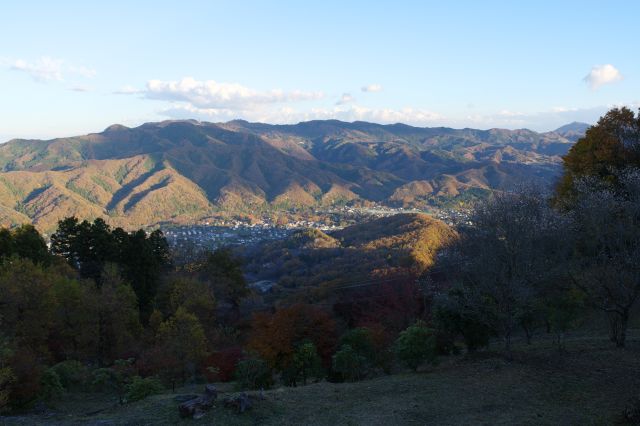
point(50, 385)
point(253, 373)
point(360, 341)
point(306, 364)
point(115, 378)
point(6, 380)
point(374, 352)
point(349, 364)
point(564, 311)
point(72, 374)
point(140, 388)
point(454, 318)
point(415, 345)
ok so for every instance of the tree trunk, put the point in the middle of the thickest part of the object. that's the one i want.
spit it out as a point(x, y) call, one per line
point(613, 326)
point(507, 345)
point(623, 330)
point(527, 333)
point(618, 323)
point(560, 341)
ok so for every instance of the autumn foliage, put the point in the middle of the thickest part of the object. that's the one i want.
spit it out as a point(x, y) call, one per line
point(612, 144)
point(224, 363)
point(394, 305)
point(275, 337)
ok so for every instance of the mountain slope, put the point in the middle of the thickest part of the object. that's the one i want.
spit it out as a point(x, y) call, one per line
point(399, 245)
point(184, 170)
point(572, 131)
point(132, 192)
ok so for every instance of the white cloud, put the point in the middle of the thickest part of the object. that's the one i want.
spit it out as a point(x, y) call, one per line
point(211, 94)
point(218, 102)
point(44, 69)
point(214, 101)
point(346, 98)
point(284, 115)
point(50, 69)
point(602, 74)
point(372, 88)
point(127, 90)
point(560, 109)
point(346, 109)
point(386, 115)
point(79, 89)
point(82, 71)
point(540, 121)
point(509, 113)
point(188, 111)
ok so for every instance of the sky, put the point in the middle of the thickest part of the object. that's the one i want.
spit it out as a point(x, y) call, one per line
point(74, 67)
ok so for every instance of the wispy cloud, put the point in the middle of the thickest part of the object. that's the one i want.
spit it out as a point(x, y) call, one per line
point(601, 75)
point(79, 89)
point(50, 69)
point(127, 90)
point(43, 69)
point(346, 98)
point(212, 94)
point(371, 88)
point(509, 113)
point(82, 71)
point(287, 114)
point(416, 116)
point(539, 121)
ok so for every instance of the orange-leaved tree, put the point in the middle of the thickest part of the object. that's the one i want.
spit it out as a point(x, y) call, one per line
point(276, 337)
point(613, 143)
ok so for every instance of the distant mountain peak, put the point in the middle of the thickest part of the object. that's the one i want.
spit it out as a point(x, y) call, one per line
point(572, 131)
point(575, 126)
point(116, 128)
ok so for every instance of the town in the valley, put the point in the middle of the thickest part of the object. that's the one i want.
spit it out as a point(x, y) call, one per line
point(213, 233)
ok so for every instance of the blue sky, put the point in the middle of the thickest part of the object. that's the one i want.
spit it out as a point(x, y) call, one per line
point(69, 68)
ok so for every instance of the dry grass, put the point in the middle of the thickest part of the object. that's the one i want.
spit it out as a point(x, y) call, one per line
point(589, 384)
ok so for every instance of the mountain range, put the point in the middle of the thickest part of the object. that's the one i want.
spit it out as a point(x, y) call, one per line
point(180, 171)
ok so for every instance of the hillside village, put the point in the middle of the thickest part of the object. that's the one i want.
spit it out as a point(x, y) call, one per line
point(214, 233)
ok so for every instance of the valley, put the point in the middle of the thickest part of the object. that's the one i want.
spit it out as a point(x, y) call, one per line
point(212, 233)
point(319, 213)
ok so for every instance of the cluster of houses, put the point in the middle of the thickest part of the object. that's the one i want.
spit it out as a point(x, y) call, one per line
point(214, 233)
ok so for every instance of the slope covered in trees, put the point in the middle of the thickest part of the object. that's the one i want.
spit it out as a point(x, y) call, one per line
point(106, 310)
point(395, 247)
point(184, 170)
point(528, 262)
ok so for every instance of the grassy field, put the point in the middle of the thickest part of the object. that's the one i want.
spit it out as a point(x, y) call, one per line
point(589, 384)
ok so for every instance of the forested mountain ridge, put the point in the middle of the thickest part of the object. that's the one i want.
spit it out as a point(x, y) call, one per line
point(185, 170)
point(403, 245)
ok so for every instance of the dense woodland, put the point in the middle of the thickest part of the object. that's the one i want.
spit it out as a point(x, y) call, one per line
point(105, 310)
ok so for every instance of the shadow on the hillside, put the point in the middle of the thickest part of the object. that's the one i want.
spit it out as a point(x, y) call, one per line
point(124, 192)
